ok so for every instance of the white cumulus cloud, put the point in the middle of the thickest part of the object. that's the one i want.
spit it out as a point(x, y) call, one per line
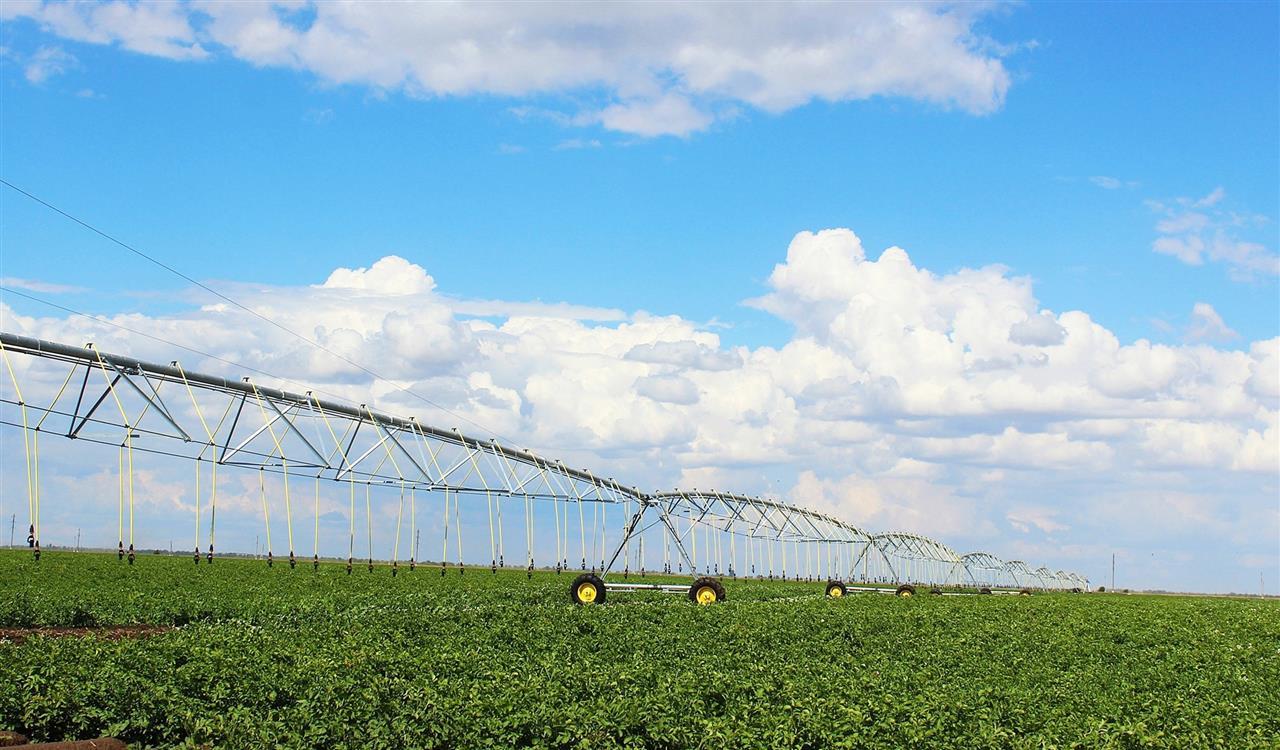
point(48, 62)
point(1196, 230)
point(1207, 325)
point(949, 404)
point(652, 68)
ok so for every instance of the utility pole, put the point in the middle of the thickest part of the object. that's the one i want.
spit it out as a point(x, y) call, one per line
point(12, 520)
point(1113, 571)
point(77, 540)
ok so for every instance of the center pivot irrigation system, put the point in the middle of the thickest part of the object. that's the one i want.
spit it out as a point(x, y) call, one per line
point(294, 441)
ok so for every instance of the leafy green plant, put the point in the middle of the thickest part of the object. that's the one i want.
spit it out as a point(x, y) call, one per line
point(276, 657)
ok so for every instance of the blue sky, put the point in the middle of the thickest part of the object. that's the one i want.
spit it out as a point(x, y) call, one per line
point(274, 165)
point(272, 174)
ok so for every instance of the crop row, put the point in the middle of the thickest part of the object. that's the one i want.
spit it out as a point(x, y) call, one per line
point(305, 659)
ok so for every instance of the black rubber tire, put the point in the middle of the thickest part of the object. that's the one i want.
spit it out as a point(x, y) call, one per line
point(836, 589)
point(936, 591)
point(578, 594)
point(984, 590)
point(905, 590)
point(1024, 592)
point(701, 585)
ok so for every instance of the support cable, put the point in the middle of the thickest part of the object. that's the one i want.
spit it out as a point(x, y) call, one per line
point(196, 556)
point(493, 552)
point(120, 504)
point(555, 505)
point(243, 307)
point(315, 540)
point(502, 562)
point(35, 482)
point(351, 519)
point(284, 463)
point(457, 528)
point(528, 536)
point(128, 442)
point(26, 453)
point(582, 533)
point(266, 514)
point(213, 512)
point(395, 547)
point(368, 523)
point(444, 547)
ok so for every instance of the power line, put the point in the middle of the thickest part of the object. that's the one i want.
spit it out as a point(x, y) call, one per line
point(245, 308)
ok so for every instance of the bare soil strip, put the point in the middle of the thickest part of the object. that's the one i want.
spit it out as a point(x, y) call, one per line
point(107, 632)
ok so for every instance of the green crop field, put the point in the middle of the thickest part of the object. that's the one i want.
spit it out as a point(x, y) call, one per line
point(296, 658)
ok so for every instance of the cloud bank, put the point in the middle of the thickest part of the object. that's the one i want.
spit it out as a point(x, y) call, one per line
point(947, 404)
point(647, 69)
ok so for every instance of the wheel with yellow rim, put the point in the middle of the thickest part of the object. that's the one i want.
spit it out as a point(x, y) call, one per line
point(1024, 592)
point(905, 590)
point(706, 591)
point(587, 588)
point(836, 589)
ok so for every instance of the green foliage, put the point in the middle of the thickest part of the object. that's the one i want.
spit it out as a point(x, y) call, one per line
point(295, 658)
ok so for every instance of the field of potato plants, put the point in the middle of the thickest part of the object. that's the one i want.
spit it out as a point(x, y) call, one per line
point(168, 654)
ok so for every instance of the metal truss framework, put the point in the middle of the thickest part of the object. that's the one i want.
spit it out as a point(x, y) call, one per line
point(757, 531)
point(163, 409)
point(983, 569)
point(909, 557)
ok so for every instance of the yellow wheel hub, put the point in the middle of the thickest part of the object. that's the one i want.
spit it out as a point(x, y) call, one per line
point(835, 592)
point(586, 593)
point(904, 594)
point(706, 595)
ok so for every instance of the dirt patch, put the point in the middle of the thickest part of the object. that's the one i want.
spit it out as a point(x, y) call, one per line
point(102, 743)
point(107, 632)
